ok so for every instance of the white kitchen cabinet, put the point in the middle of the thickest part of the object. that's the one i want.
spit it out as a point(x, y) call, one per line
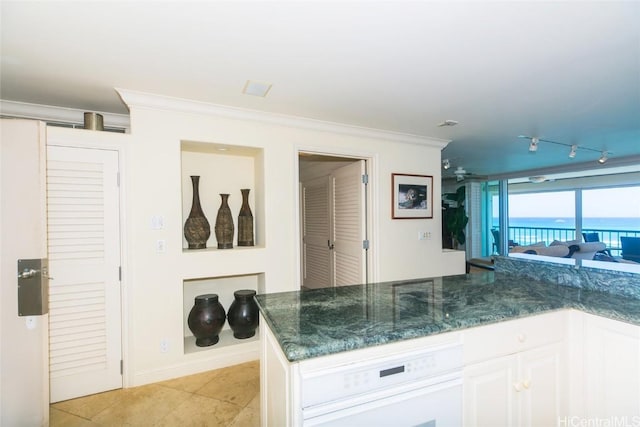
point(612, 366)
point(514, 372)
point(488, 396)
point(523, 389)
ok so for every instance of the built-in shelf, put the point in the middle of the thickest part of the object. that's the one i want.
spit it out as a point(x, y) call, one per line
point(223, 169)
point(224, 287)
point(215, 249)
point(226, 340)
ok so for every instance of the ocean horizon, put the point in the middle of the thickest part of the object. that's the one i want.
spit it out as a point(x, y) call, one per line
point(597, 223)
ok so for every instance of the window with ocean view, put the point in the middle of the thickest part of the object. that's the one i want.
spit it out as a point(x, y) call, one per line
point(605, 213)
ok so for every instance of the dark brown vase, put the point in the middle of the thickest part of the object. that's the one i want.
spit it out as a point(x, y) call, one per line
point(243, 314)
point(206, 319)
point(196, 228)
point(245, 221)
point(224, 224)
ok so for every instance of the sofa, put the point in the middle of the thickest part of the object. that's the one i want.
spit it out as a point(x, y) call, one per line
point(570, 249)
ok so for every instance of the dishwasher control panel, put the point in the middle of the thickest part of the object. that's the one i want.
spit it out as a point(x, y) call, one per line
point(350, 380)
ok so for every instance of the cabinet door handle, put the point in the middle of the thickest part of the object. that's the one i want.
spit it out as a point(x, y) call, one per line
point(522, 337)
point(526, 383)
point(517, 387)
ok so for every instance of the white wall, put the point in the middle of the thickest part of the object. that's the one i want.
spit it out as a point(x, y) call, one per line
point(24, 344)
point(154, 188)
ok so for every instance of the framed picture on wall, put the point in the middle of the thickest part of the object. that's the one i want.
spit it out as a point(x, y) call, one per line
point(411, 196)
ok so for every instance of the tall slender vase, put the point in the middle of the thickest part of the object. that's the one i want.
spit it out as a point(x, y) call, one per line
point(196, 227)
point(224, 224)
point(245, 221)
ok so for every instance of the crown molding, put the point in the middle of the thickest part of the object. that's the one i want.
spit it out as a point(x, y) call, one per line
point(50, 113)
point(135, 99)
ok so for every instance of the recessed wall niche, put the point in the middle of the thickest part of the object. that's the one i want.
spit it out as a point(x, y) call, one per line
point(224, 287)
point(223, 169)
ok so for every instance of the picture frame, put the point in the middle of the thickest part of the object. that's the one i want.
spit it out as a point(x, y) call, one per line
point(411, 196)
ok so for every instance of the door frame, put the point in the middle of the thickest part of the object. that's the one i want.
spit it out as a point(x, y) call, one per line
point(372, 204)
point(103, 140)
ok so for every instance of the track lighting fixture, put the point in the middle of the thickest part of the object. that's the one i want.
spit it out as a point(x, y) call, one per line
point(446, 164)
point(603, 158)
point(573, 148)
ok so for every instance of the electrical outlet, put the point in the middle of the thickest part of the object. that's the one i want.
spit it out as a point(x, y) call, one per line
point(164, 345)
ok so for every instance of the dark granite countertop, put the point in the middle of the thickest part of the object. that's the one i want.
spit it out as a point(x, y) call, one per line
point(320, 322)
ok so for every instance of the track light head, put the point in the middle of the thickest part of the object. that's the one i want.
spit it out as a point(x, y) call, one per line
point(603, 158)
point(446, 164)
point(533, 146)
point(574, 150)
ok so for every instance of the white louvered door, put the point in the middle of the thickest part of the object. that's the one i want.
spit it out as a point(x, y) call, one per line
point(348, 224)
point(316, 216)
point(333, 217)
point(84, 260)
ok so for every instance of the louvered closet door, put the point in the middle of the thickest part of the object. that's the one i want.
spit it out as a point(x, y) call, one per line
point(316, 233)
point(84, 260)
point(348, 224)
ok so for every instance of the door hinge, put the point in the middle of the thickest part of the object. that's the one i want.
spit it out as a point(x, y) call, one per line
point(118, 179)
point(120, 273)
point(365, 179)
point(365, 245)
point(121, 367)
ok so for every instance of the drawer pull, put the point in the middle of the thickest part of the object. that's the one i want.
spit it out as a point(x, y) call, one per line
point(522, 337)
point(517, 387)
point(526, 384)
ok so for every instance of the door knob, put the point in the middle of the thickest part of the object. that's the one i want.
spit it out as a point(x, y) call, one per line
point(28, 273)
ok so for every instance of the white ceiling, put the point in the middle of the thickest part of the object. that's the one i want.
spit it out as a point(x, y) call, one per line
point(567, 71)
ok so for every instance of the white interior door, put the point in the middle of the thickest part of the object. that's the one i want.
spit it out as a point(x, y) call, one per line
point(84, 258)
point(348, 225)
point(334, 227)
point(316, 257)
point(24, 378)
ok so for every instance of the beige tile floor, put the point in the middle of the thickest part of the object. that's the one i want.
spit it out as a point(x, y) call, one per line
point(223, 397)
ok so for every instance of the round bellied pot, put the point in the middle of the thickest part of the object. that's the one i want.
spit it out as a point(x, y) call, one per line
point(243, 314)
point(206, 319)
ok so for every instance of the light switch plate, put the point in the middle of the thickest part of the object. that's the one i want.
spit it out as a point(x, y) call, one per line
point(157, 222)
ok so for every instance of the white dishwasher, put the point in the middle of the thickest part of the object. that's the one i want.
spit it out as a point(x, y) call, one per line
point(415, 389)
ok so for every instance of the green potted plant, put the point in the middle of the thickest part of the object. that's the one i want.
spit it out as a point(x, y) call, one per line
point(454, 218)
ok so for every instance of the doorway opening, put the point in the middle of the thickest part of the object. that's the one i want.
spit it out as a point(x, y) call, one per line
point(334, 220)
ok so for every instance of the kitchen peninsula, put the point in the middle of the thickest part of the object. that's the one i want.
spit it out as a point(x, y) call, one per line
point(532, 351)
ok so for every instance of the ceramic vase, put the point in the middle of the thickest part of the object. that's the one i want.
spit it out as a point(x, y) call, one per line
point(245, 221)
point(206, 319)
point(243, 314)
point(224, 224)
point(196, 227)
